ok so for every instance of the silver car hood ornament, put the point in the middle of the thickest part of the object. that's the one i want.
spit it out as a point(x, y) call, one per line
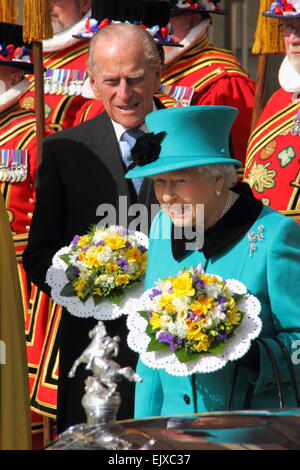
point(101, 400)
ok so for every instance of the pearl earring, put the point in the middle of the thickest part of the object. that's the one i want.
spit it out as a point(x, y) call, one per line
point(218, 193)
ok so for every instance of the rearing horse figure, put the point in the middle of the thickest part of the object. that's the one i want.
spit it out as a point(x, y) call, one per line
point(101, 346)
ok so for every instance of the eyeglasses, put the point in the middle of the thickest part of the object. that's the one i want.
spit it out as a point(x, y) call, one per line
point(287, 29)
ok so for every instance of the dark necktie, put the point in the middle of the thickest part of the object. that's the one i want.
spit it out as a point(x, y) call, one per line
point(129, 137)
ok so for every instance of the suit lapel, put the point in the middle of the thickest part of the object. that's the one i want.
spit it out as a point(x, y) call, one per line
point(102, 140)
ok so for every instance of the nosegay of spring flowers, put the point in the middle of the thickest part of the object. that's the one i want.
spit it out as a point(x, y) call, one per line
point(103, 262)
point(192, 313)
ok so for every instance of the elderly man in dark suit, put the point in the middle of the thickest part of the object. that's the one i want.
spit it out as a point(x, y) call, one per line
point(83, 168)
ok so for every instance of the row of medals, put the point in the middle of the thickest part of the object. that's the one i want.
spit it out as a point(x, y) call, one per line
point(15, 174)
point(61, 82)
point(13, 165)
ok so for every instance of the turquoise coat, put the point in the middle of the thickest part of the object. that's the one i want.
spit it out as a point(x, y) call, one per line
point(272, 273)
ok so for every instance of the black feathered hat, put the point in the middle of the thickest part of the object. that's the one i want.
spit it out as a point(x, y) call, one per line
point(154, 15)
point(199, 6)
point(13, 51)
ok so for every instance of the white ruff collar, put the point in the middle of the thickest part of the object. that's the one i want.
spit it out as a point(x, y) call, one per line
point(13, 94)
point(65, 39)
point(192, 37)
point(288, 77)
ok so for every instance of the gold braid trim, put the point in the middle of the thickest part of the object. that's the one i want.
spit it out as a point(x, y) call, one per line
point(58, 63)
point(277, 128)
point(184, 65)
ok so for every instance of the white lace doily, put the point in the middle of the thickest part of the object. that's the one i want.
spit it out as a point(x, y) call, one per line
point(235, 347)
point(107, 310)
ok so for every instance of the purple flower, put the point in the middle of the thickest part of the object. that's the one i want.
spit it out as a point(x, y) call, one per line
point(199, 283)
point(75, 270)
point(192, 315)
point(101, 243)
point(149, 313)
point(169, 339)
point(142, 248)
point(123, 263)
point(222, 335)
point(154, 293)
point(222, 299)
point(75, 241)
point(127, 244)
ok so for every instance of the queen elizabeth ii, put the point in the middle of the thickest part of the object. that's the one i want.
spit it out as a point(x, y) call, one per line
point(187, 157)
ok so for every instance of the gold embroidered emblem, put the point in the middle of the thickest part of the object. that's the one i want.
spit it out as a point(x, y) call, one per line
point(28, 103)
point(268, 150)
point(266, 201)
point(260, 178)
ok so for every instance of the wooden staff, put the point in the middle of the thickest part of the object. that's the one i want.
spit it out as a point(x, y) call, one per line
point(37, 49)
point(267, 40)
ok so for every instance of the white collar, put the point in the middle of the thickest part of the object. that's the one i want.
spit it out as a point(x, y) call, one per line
point(289, 77)
point(13, 94)
point(87, 91)
point(119, 129)
point(195, 33)
point(65, 39)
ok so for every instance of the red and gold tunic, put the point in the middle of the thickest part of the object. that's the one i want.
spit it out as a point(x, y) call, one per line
point(272, 165)
point(18, 132)
point(217, 79)
point(61, 107)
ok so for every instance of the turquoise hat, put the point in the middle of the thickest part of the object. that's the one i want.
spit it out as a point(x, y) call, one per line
point(183, 137)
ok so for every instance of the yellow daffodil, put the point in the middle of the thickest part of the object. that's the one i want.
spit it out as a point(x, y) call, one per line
point(194, 330)
point(92, 260)
point(122, 279)
point(155, 321)
point(79, 285)
point(166, 303)
point(210, 279)
point(115, 242)
point(203, 343)
point(183, 285)
point(81, 256)
point(233, 316)
point(132, 254)
point(112, 266)
point(202, 305)
point(84, 241)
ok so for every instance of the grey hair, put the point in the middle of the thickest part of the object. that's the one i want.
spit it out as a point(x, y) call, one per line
point(217, 169)
point(127, 32)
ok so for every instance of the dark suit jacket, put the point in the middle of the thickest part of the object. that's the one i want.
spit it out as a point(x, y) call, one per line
point(81, 169)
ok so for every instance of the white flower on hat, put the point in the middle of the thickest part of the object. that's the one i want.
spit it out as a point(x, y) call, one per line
point(183, 4)
point(205, 4)
point(296, 5)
